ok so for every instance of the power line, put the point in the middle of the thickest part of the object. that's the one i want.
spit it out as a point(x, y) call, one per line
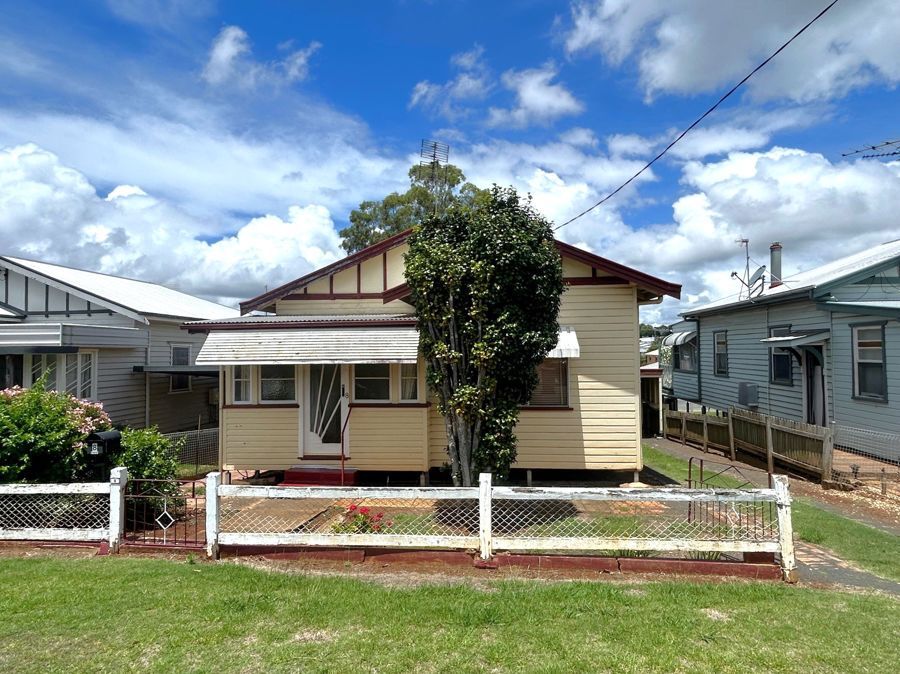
point(870, 148)
point(700, 118)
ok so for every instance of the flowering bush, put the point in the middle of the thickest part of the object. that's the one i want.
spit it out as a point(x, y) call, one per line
point(361, 520)
point(42, 434)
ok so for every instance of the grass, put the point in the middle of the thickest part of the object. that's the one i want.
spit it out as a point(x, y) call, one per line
point(130, 614)
point(869, 548)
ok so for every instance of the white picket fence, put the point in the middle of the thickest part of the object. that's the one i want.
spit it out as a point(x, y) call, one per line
point(490, 519)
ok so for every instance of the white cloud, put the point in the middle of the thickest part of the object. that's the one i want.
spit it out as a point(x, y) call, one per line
point(452, 98)
point(538, 99)
point(51, 211)
point(167, 14)
point(231, 62)
point(685, 46)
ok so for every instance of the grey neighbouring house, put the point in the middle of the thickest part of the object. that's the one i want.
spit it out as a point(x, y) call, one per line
point(109, 339)
point(821, 346)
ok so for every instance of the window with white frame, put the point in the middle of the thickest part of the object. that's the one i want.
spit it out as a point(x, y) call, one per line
point(409, 382)
point(781, 367)
point(72, 373)
point(552, 389)
point(277, 384)
point(242, 391)
point(181, 356)
point(720, 353)
point(372, 382)
point(870, 379)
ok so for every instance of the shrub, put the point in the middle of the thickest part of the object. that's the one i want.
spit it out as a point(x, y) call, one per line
point(147, 454)
point(42, 434)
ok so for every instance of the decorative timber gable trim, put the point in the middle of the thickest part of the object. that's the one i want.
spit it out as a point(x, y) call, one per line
point(603, 272)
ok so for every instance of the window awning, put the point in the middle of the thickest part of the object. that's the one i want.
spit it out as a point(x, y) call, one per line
point(797, 338)
point(299, 347)
point(679, 338)
point(567, 345)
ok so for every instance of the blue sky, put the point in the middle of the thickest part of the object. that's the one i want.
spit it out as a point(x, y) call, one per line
point(218, 146)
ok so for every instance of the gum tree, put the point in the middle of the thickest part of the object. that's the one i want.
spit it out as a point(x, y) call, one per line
point(486, 280)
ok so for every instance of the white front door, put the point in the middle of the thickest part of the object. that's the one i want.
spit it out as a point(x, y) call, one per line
point(326, 410)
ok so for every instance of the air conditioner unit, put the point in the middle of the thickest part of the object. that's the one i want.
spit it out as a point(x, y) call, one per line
point(748, 394)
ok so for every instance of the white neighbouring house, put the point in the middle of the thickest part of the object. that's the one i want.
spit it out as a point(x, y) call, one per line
point(109, 339)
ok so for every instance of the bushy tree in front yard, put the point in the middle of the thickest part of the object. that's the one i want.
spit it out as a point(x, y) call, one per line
point(486, 280)
point(43, 433)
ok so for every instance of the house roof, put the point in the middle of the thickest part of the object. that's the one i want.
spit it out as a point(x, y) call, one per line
point(813, 280)
point(138, 297)
point(655, 285)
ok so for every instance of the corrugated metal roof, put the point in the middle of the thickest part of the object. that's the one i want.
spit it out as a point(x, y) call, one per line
point(818, 276)
point(301, 319)
point(679, 338)
point(326, 345)
point(141, 297)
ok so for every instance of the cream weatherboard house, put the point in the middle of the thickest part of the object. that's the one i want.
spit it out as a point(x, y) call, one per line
point(332, 370)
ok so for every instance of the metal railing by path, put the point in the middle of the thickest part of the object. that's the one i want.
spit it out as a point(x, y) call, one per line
point(490, 519)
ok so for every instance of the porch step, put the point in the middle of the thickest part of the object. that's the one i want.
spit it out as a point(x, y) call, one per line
point(314, 476)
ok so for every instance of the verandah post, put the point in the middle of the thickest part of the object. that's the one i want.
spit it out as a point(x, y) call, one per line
point(213, 480)
point(484, 516)
point(118, 478)
point(785, 527)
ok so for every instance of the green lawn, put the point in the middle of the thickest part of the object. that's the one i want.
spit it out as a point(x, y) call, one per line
point(869, 548)
point(114, 614)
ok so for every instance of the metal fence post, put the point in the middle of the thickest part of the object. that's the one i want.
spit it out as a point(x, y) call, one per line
point(785, 527)
point(213, 480)
point(484, 516)
point(118, 478)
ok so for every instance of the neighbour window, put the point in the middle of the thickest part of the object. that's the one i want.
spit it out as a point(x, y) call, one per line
point(181, 356)
point(372, 382)
point(44, 366)
point(243, 384)
point(781, 367)
point(552, 389)
point(684, 356)
point(72, 373)
point(276, 383)
point(870, 380)
point(720, 353)
point(409, 382)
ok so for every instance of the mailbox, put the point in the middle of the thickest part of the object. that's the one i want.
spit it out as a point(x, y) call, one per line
point(102, 443)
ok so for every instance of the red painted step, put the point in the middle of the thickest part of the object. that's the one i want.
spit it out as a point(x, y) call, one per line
point(317, 476)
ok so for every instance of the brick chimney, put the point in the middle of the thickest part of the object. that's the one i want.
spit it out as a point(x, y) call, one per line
point(775, 265)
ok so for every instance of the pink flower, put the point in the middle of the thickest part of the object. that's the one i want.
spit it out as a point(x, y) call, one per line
point(351, 507)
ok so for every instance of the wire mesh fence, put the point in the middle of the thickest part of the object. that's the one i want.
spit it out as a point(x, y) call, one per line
point(77, 512)
point(324, 515)
point(868, 459)
point(198, 451)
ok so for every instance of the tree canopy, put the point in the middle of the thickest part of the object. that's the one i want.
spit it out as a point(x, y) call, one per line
point(432, 191)
point(486, 280)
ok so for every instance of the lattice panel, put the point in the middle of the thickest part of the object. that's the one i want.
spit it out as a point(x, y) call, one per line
point(640, 520)
point(407, 517)
point(54, 511)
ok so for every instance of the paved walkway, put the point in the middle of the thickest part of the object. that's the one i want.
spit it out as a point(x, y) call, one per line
point(815, 564)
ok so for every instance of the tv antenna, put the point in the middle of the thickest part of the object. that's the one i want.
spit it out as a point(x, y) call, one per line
point(435, 154)
point(747, 282)
point(886, 149)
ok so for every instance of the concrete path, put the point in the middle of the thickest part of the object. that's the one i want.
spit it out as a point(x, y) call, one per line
point(816, 564)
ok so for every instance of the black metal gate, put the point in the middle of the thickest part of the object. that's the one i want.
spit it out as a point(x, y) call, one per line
point(169, 513)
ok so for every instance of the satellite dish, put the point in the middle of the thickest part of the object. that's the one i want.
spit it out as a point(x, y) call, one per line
point(757, 275)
